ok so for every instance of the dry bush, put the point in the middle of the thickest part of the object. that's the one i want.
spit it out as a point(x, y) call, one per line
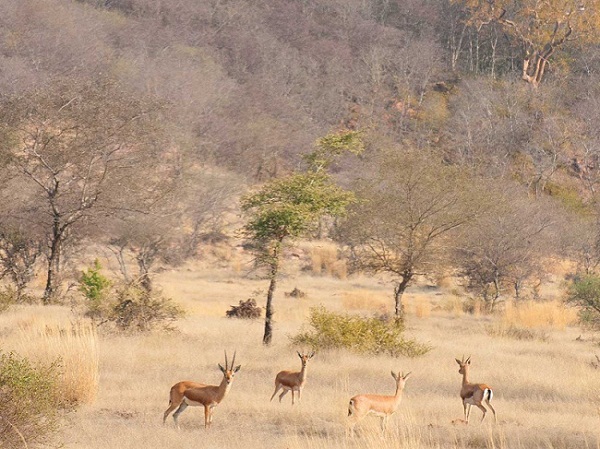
point(245, 310)
point(75, 345)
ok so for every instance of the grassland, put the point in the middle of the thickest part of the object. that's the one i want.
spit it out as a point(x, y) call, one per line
point(547, 393)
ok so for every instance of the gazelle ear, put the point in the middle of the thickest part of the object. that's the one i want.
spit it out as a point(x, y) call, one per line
point(222, 369)
point(394, 375)
point(299, 355)
point(312, 354)
point(237, 368)
point(407, 375)
point(458, 361)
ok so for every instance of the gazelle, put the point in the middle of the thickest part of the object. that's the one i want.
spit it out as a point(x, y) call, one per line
point(384, 406)
point(188, 393)
point(473, 394)
point(292, 380)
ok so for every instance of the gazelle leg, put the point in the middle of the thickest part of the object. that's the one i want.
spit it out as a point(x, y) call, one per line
point(277, 387)
point(493, 411)
point(483, 409)
point(172, 406)
point(178, 412)
point(206, 417)
point(293, 396)
point(299, 394)
point(383, 425)
point(468, 412)
point(283, 393)
point(465, 412)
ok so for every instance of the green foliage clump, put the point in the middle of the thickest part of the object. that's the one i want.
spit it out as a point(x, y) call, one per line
point(569, 197)
point(356, 333)
point(30, 401)
point(585, 293)
point(129, 307)
point(95, 287)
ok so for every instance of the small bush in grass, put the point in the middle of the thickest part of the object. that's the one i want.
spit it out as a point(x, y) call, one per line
point(30, 402)
point(246, 310)
point(360, 334)
point(128, 307)
point(136, 309)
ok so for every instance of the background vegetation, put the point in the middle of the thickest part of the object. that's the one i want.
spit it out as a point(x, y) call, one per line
point(197, 148)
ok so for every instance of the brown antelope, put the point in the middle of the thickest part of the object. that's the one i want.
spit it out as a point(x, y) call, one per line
point(188, 393)
point(292, 380)
point(384, 406)
point(473, 394)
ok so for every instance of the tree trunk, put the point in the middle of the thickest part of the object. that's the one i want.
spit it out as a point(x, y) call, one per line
point(399, 290)
point(268, 336)
point(53, 263)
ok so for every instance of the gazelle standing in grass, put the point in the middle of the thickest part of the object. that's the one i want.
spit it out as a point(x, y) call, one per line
point(292, 380)
point(473, 394)
point(186, 393)
point(384, 406)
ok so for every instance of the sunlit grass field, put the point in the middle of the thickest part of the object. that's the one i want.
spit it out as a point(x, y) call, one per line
point(546, 392)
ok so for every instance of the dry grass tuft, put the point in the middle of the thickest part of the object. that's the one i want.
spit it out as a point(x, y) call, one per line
point(324, 260)
point(364, 300)
point(74, 344)
point(539, 315)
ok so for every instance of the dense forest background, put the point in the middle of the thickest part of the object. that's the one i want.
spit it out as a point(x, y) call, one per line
point(137, 125)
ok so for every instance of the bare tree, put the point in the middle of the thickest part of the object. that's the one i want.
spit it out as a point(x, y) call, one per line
point(405, 215)
point(69, 144)
point(505, 247)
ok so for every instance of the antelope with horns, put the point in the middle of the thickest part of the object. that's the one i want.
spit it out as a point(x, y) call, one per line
point(188, 393)
point(384, 406)
point(292, 380)
point(473, 394)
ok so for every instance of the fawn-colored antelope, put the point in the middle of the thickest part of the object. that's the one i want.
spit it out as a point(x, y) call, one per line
point(384, 406)
point(186, 393)
point(473, 394)
point(292, 380)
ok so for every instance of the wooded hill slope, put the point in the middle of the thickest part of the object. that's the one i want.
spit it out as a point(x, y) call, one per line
point(138, 123)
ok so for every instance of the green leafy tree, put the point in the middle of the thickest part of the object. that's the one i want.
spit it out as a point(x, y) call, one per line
point(291, 207)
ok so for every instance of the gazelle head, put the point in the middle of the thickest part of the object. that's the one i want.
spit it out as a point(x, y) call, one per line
point(463, 364)
point(305, 357)
point(229, 371)
point(400, 379)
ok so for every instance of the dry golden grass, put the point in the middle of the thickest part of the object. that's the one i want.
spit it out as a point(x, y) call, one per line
point(47, 334)
point(539, 314)
point(546, 393)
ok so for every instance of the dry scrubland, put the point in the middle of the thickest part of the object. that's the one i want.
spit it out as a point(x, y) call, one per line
point(547, 394)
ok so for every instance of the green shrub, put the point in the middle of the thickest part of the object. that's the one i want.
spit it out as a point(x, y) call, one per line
point(96, 288)
point(30, 402)
point(128, 307)
point(585, 293)
point(356, 333)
